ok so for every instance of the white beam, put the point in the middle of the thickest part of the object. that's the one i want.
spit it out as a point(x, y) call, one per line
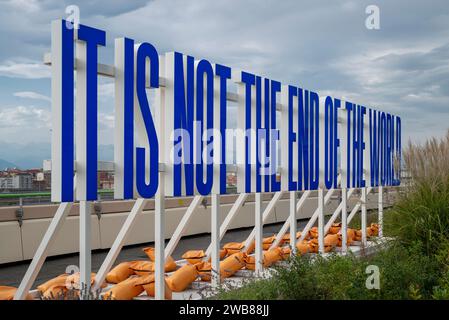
point(314, 217)
point(286, 224)
point(357, 206)
point(85, 255)
point(107, 70)
point(182, 226)
point(363, 217)
point(159, 241)
point(268, 210)
point(293, 222)
point(337, 210)
point(380, 211)
point(119, 242)
point(42, 251)
point(321, 220)
point(215, 240)
point(229, 218)
point(258, 228)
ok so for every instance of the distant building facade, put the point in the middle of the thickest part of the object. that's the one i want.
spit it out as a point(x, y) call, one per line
point(17, 182)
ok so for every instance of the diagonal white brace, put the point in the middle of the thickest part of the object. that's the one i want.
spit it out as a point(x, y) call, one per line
point(268, 210)
point(315, 215)
point(113, 253)
point(42, 251)
point(357, 206)
point(229, 218)
point(286, 224)
point(337, 212)
point(182, 226)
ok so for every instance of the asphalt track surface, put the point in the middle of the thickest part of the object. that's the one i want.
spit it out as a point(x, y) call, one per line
point(12, 274)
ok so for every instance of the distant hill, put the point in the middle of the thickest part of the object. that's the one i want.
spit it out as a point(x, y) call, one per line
point(31, 155)
point(6, 164)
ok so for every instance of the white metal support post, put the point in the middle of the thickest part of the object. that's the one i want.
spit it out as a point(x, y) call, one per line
point(293, 223)
point(119, 242)
point(344, 220)
point(159, 240)
point(363, 217)
point(266, 213)
point(381, 211)
point(85, 248)
point(321, 220)
point(337, 211)
point(314, 217)
point(182, 226)
point(215, 240)
point(258, 225)
point(357, 206)
point(42, 251)
point(229, 218)
point(286, 224)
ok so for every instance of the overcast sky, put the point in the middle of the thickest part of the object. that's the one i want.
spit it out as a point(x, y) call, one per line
point(403, 68)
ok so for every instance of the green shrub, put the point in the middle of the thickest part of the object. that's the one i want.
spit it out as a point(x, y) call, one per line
point(422, 212)
point(405, 273)
point(414, 266)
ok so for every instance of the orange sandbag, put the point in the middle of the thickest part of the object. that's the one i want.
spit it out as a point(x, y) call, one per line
point(125, 290)
point(302, 247)
point(193, 256)
point(286, 252)
point(73, 280)
point(266, 243)
point(170, 264)
point(272, 256)
point(57, 292)
point(204, 270)
point(120, 272)
point(182, 278)
point(372, 230)
point(58, 281)
point(251, 247)
point(148, 285)
point(313, 233)
point(313, 245)
point(286, 237)
point(335, 228)
point(330, 242)
point(142, 268)
point(223, 253)
point(349, 237)
point(269, 257)
point(233, 247)
point(351, 234)
point(232, 264)
point(358, 235)
point(7, 293)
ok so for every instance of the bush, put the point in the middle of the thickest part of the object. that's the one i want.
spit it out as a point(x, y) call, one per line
point(422, 212)
point(414, 266)
point(404, 274)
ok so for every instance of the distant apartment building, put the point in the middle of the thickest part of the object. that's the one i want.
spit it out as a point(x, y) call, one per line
point(16, 182)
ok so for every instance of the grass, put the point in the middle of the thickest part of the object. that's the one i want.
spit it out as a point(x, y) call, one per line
point(414, 266)
point(404, 274)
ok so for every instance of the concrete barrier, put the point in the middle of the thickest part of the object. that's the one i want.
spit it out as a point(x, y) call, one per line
point(20, 242)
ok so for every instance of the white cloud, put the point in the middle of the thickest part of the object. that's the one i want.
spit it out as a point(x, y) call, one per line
point(27, 70)
point(32, 95)
point(25, 117)
point(25, 5)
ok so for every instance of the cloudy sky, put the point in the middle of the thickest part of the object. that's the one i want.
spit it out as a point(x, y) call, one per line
point(403, 68)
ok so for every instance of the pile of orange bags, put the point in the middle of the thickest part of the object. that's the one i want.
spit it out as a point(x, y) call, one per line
point(7, 293)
